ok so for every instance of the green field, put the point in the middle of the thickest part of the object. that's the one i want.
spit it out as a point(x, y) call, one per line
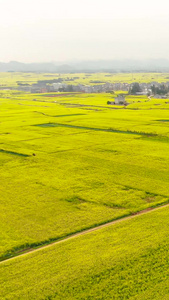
point(126, 261)
point(12, 79)
point(68, 163)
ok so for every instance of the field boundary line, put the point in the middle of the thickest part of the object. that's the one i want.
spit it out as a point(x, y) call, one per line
point(83, 232)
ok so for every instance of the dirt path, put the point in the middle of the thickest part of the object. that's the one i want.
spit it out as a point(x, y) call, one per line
point(86, 231)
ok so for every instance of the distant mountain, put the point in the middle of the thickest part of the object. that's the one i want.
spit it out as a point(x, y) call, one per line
point(156, 65)
point(15, 66)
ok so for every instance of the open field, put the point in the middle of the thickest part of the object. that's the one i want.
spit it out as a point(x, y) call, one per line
point(11, 79)
point(69, 162)
point(69, 165)
point(126, 261)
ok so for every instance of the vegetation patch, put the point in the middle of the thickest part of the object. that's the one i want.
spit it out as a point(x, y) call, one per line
point(95, 129)
point(75, 200)
point(60, 116)
point(14, 153)
point(126, 261)
point(163, 120)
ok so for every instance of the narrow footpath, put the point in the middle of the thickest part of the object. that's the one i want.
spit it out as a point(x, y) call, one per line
point(83, 232)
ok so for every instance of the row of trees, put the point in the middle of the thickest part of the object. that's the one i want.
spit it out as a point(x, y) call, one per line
point(162, 90)
point(135, 89)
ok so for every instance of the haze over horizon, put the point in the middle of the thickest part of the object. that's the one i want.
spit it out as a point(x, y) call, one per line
point(44, 31)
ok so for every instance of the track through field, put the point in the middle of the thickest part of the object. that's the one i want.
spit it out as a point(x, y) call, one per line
point(81, 233)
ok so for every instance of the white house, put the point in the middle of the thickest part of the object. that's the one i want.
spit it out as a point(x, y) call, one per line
point(120, 100)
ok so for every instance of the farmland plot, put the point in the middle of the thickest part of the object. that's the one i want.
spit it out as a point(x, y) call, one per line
point(65, 168)
point(128, 260)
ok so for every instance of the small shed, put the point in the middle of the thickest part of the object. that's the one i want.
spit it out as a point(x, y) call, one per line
point(120, 100)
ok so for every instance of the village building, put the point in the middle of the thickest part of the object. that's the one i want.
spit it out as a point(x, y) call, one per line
point(160, 96)
point(120, 100)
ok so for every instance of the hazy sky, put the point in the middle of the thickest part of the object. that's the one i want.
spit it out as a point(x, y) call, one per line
point(52, 30)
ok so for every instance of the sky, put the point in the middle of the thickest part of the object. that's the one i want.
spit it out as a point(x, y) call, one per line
point(52, 30)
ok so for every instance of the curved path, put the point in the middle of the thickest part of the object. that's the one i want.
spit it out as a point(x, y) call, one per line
point(83, 232)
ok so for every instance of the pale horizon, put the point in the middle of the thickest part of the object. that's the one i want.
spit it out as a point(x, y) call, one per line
point(46, 31)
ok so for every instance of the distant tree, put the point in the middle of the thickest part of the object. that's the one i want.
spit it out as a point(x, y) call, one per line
point(110, 92)
point(135, 88)
point(153, 88)
point(69, 88)
point(162, 90)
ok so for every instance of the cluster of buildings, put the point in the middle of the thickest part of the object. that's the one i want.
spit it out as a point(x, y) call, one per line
point(60, 86)
point(145, 88)
point(64, 87)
